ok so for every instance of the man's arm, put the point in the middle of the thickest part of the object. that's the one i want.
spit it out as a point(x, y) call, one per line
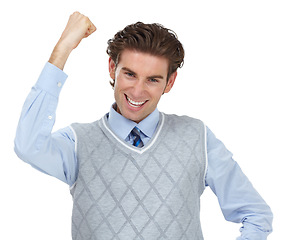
point(239, 201)
point(77, 28)
point(51, 153)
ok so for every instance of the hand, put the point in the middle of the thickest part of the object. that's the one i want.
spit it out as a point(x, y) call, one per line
point(77, 28)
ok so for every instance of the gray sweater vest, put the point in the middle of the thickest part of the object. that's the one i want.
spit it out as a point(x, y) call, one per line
point(124, 192)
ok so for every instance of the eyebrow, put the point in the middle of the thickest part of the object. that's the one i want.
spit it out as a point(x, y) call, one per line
point(129, 70)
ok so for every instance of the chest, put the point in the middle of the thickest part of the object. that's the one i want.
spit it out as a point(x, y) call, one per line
point(168, 168)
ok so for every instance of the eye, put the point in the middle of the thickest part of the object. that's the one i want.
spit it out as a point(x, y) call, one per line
point(153, 80)
point(129, 74)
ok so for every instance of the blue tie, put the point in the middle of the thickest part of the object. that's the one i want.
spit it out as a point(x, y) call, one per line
point(136, 136)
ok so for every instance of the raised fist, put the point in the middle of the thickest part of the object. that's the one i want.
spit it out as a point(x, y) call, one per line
point(77, 28)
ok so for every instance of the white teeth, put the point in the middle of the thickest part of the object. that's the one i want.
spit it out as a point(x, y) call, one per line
point(135, 104)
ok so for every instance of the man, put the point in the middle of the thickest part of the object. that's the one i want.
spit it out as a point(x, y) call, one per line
point(136, 173)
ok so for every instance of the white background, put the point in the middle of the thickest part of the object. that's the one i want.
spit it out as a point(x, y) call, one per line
point(232, 79)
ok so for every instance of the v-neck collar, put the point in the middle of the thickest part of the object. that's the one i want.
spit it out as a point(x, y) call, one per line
point(122, 126)
point(106, 125)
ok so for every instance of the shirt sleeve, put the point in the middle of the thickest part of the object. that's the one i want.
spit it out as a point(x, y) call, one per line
point(239, 201)
point(50, 153)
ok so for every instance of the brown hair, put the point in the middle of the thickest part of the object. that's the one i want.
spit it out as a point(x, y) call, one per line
point(148, 38)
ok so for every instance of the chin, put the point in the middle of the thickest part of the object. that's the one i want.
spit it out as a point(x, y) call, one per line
point(133, 117)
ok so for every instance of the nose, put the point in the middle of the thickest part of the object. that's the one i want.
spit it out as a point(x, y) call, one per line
point(138, 88)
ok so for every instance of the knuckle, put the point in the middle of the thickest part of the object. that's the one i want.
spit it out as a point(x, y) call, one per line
point(75, 13)
point(86, 19)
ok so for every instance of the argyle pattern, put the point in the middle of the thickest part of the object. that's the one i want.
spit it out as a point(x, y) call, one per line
point(153, 194)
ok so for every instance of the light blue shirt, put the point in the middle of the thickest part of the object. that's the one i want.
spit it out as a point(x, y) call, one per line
point(123, 126)
point(55, 154)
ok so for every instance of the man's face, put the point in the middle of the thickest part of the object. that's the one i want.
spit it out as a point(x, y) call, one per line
point(140, 80)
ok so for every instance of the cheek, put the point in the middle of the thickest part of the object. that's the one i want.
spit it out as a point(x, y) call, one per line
point(119, 89)
point(156, 95)
point(116, 88)
point(120, 83)
point(160, 90)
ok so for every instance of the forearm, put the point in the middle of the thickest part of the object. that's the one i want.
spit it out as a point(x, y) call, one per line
point(239, 201)
point(53, 154)
point(36, 121)
point(38, 113)
point(60, 55)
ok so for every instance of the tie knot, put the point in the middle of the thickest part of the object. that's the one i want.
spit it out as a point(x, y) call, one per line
point(136, 131)
point(136, 137)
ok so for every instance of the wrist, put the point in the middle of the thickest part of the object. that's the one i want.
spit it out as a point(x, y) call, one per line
point(60, 55)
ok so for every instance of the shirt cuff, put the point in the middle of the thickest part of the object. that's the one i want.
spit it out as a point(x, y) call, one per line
point(253, 232)
point(51, 79)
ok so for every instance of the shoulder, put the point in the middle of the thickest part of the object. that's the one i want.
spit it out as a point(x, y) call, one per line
point(176, 120)
point(85, 128)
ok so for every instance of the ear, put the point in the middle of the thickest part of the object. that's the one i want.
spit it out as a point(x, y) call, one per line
point(112, 68)
point(170, 82)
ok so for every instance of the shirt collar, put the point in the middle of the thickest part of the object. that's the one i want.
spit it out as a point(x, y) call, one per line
point(123, 126)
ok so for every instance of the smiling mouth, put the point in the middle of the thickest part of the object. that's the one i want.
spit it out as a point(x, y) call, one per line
point(134, 103)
